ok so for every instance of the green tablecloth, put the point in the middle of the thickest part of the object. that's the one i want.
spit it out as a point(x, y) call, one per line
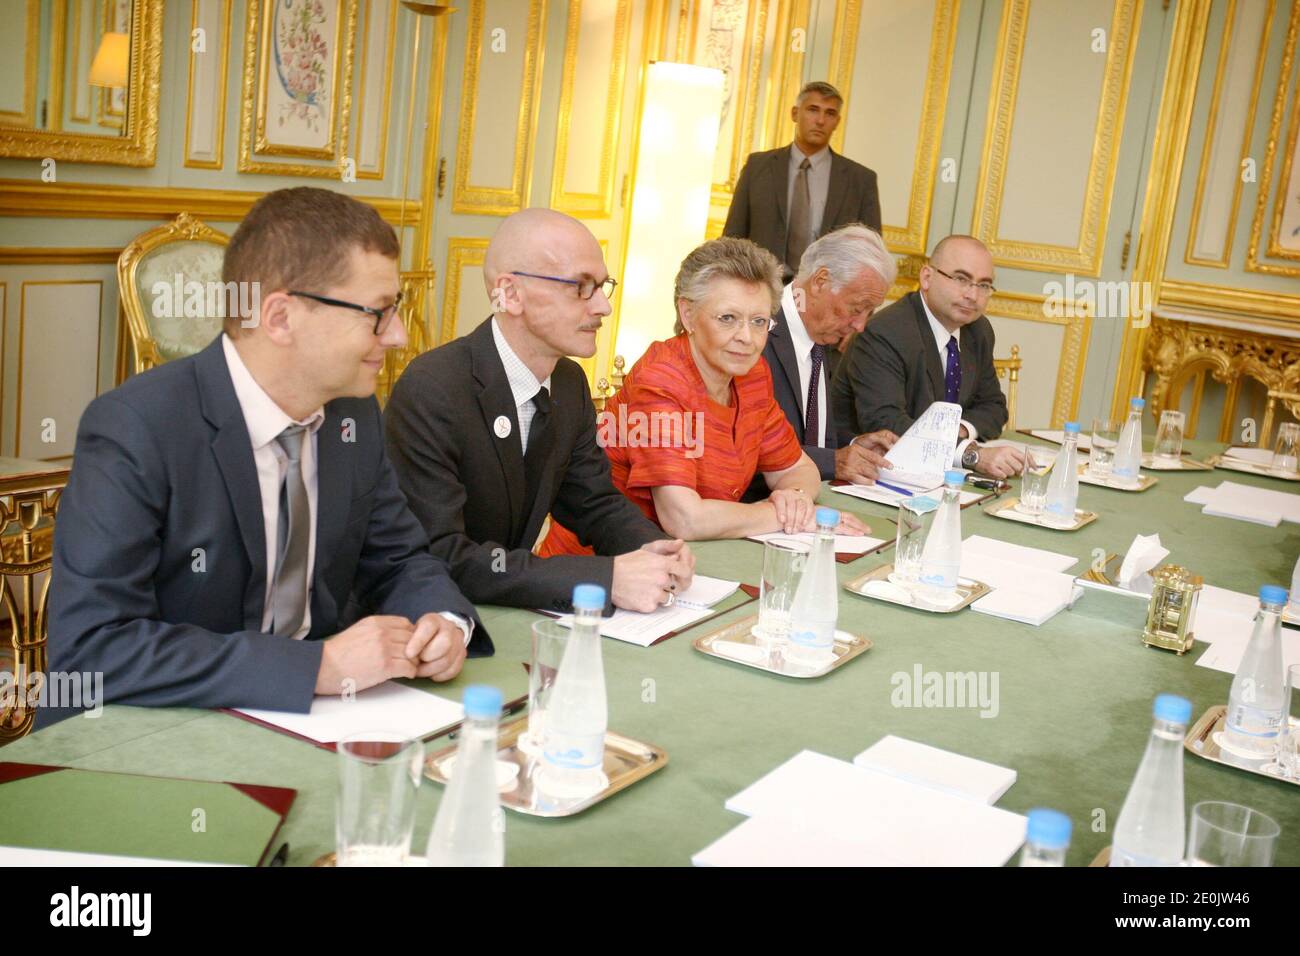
point(1073, 710)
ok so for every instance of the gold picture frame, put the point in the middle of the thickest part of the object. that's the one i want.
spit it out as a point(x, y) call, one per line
point(138, 146)
point(253, 133)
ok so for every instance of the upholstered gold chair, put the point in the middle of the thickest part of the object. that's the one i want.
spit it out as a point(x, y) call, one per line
point(1009, 368)
point(606, 387)
point(152, 276)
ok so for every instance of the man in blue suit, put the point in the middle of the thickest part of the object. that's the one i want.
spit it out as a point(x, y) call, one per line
point(232, 534)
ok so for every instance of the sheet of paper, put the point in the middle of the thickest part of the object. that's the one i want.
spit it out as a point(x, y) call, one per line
point(885, 496)
point(1229, 642)
point(1025, 607)
point(388, 706)
point(1254, 456)
point(844, 543)
point(1264, 501)
point(924, 452)
point(643, 629)
point(706, 591)
point(901, 821)
point(1200, 495)
point(942, 770)
point(1022, 592)
point(1223, 601)
point(772, 842)
point(18, 856)
point(1042, 456)
point(1019, 553)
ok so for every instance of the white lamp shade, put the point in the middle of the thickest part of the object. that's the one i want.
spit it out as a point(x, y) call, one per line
point(109, 67)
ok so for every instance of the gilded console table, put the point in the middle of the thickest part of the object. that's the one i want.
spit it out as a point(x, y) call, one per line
point(29, 500)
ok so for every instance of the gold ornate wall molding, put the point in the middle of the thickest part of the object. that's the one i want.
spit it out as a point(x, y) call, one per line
point(1288, 77)
point(220, 86)
point(786, 69)
point(1085, 257)
point(911, 237)
point(31, 18)
point(467, 197)
point(29, 198)
point(386, 98)
point(1267, 308)
point(1077, 325)
point(600, 203)
point(58, 256)
point(461, 252)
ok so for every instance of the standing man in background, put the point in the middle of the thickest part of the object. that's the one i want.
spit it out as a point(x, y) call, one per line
point(787, 197)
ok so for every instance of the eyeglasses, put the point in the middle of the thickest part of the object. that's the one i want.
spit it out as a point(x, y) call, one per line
point(964, 282)
point(382, 316)
point(759, 323)
point(587, 286)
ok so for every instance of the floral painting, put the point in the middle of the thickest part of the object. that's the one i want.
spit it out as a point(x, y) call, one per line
point(299, 77)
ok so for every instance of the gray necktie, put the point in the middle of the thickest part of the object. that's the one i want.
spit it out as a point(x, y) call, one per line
point(289, 594)
point(800, 233)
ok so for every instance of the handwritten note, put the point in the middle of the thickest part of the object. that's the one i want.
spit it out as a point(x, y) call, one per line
point(925, 451)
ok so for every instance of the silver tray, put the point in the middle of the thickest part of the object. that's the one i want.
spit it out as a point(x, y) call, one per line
point(740, 635)
point(1200, 741)
point(626, 762)
point(1249, 467)
point(1144, 481)
point(1006, 508)
point(968, 589)
point(1184, 464)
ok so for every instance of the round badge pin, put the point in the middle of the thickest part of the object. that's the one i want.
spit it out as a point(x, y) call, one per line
point(502, 426)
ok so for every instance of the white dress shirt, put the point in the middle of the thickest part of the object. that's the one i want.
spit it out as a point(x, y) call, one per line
point(803, 346)
point(819, 184)
point(523, 384)
point(941, 336)
point(265, 421)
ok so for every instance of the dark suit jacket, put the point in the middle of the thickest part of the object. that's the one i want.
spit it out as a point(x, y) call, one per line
point(892, 374)
point(759, 205)
point(780, 357)
point(467, 487)
point(164, 466)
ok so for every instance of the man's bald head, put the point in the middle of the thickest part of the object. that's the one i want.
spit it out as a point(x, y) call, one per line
point(950, 247)
point(536, 240)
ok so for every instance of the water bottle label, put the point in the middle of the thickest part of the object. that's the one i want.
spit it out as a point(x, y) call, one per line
point(1254, 722)
point(811, 638)
point(943, 579)
point(575, 753)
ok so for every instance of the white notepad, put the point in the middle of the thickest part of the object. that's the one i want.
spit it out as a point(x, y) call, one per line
point(1254, 456)
point(643, 629)
point(1028, 591)
point(942, 770)
point(977, 544)
point(900, 822)
point(844, 543)
point(771, 842)
point(1248, 503)
point(402, 710)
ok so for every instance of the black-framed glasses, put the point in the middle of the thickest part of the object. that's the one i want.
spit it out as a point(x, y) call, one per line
point(758, 324)
point(586, 286)
point(964, 282)
point(382, 316)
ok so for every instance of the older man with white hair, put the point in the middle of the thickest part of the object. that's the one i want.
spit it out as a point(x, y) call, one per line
point(842, 278)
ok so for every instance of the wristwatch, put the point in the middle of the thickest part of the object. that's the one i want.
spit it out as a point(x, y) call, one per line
point(971, 456)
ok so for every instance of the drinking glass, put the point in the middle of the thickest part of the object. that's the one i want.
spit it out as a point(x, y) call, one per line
point(1101, 455)
point(549, 641)
point(784, 560)
point(379, 776)
point(1287, 761)
point(910, 541)
point(1033, 491)
point(1228, 834)
point(1169, 434)
point(1286, 454)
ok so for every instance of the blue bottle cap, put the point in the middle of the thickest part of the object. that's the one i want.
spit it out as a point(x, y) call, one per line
point(828, 517)
point(1072, 428)
point(1171, 707)
point(954, 477)
point(1138, 403)
point(589, 597)
point(1272, 594)
point(482, 701)
point(1050, 829)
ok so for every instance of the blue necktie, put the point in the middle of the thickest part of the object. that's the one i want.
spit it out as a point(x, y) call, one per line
point(952, 375)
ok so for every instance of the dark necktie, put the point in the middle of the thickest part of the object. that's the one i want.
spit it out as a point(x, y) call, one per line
point(952, 375)
point(800, 232)
point(538, 440)
point(812, 432)
point(289, 592)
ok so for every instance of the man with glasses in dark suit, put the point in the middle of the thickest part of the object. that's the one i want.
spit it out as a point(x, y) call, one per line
point(494, 431)
point(933, 345)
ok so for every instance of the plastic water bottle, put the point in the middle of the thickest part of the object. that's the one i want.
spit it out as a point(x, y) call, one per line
point(1150, 829)
point(1128, 453)
point(576, 720)
point(1256, 702)
point(1063, 485)
point(469, 829)
point(1294, 606)
point(816, 609)
point(941, 555)
point(1046, 839)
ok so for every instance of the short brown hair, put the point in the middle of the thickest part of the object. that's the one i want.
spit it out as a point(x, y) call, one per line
point(301, 238)
point(726, 258)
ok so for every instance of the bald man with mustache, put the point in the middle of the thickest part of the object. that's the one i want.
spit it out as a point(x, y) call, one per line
point(495, 430)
